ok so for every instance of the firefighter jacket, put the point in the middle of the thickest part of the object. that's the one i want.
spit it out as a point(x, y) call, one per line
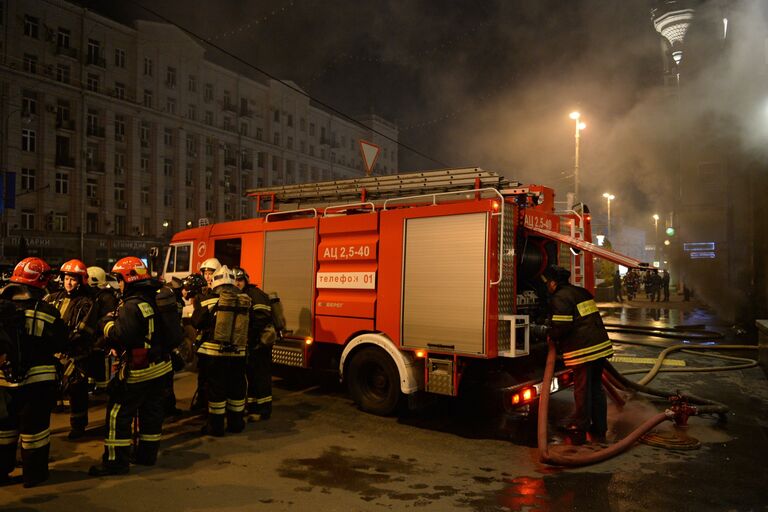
point(131, 331)
point(262, 314)
point(35, 341)
point(576, 325)
point(204, 319)
point(78, 313)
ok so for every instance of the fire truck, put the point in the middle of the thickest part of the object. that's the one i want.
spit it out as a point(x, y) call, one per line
point(410, 283)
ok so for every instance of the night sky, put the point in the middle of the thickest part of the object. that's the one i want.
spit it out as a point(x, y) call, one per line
point(479, 83)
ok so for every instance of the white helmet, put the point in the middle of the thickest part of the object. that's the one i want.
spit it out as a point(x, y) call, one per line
point(210, 263)
point(97, 278)
point(223, 276)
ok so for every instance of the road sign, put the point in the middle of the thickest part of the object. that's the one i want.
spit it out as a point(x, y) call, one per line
point(370, 152)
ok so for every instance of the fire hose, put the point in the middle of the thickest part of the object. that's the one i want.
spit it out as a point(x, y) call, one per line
point(678, 412)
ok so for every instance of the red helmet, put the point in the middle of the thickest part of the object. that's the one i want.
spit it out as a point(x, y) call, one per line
point(75, 268)
point(131, 269)
point(32, 271)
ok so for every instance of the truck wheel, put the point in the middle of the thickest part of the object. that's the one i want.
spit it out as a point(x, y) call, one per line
point(374, 381)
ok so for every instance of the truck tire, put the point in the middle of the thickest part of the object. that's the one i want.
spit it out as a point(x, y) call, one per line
point(374, 381)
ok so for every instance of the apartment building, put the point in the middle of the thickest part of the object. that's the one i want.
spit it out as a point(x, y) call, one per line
point(131, 134)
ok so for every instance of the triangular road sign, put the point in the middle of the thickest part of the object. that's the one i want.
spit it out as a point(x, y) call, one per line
point(370, 152)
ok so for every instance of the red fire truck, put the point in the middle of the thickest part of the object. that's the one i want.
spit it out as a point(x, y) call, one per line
point(419, 282)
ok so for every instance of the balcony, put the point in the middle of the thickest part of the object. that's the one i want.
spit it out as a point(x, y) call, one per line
point(230, 161)
point(95, 202)
point(229, 107)
point(65, 124)
point(246, 112)
point(95, 131)
point(97, 167)
point(121, 205)
point(95, 60)
point(65, 161)
point(247, 165)
point(66, 52)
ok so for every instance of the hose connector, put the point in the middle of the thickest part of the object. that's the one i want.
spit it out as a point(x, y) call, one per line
point(681, 410)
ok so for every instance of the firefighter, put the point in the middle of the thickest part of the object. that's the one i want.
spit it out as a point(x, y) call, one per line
point(137, 389)
point(28, 371)
point(261, 337)
point(105, 302)
point(76, 307)
point(577, 329)
point(223, 320)
point(200, 400)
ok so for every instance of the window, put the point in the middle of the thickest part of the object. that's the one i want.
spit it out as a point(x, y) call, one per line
point(119, 224)
point(170, 105)
point(144, 164)
point(92, 82)
point(119, 192)
point(119, 128)
point(28, 140)
point(62, 150)
point(30, 63)
point(92, 122)
point(244, 129)
point(146, 223)
point(170, 77)
point(312, 129)
point(120, 90)
point(168, 136)
point(92, 222)
point(290, 120)
point(62, 73)
point(208, 92)
point(191, 146)
point(168, 168)
point(31, 26)
point(62, 38)
point(260, 159)
point(192, 83)
point(311, 150)
point(289, 142)
point(147, 66)
point(276, 139)
point(119, 163)
point(62, 183)
point(94, 52)
point(227, 99)
point(192, 113)
point(190, 202)
point(91, 188)
point(168, 197)
point(27, 179)
point(259, 134)
point(60, 222)
point(144, 134)
point(189, 175)
point(208, 178)
point(145, 194)
point(209, 117)
point(303, 146)
point(119, 58)
point(28, 104)
point(147, 98)
point(227, 251)
point(276, 116)
point(302, 124)
point(208, 147)
point(27, 219)
point(274, 163)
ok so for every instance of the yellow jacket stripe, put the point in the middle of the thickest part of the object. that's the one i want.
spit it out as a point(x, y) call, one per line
point(150, 437)
point(265, 307)
point(40, 373)
point(586, 350)
point(209, 303)
point(584, 356)
point(109, 325)
point(154, 371)
point(32, 441)
point(216, 349)
point(8, 437)
point(562, 318)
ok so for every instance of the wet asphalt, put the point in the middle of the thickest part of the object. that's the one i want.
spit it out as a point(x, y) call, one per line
point(318, 452)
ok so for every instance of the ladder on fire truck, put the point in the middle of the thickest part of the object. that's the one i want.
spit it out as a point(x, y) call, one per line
point(373, 188)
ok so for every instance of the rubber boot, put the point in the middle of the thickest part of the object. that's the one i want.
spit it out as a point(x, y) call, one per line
point(235, 422)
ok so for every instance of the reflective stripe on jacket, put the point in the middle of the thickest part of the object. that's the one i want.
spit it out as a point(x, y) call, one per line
point(577, 327)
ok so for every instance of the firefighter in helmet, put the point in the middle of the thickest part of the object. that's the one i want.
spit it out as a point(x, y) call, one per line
point(137, 388)
point(207, 269)
point(105, 302)
point(577, 329)
point(223, 320)
point(261, 336)
point(76, 307)
point(28, 370)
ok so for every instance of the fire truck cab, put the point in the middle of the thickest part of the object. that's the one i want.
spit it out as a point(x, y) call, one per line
point(419, 282)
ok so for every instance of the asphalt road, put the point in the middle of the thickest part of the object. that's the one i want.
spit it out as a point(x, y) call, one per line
point(318, 452)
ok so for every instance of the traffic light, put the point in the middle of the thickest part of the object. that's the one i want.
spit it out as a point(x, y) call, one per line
point(670, 231)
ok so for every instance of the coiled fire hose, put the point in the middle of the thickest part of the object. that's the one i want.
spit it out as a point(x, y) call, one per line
point(613, 379)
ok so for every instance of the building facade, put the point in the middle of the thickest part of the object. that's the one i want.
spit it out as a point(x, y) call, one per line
point(115, 137)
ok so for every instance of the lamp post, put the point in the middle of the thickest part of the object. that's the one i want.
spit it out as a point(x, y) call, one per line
point(579, 126)
point(609, 198)
point(656, 241)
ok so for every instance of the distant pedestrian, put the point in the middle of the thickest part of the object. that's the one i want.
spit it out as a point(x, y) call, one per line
point(665, 285)
point(655, 287)
point(617, 287)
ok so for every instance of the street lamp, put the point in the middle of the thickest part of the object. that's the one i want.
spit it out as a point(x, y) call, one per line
point(656, 241)
point(609, 198)
point(579, 126)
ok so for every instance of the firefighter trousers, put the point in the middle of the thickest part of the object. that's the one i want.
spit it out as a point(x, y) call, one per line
point(226, 389)
point(259, 372)
point(590, 412)
point(29, 418)
point(128, 401)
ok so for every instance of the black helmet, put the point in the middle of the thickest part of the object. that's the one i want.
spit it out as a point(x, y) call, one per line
point(240, 273)
point(194, 283)
point(556, 274)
